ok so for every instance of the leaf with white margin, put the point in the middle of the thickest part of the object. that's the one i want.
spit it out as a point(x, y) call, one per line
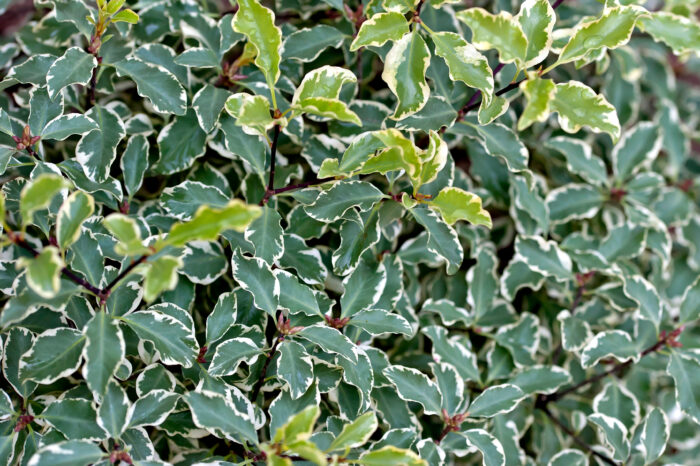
point(544, 256)
point(539, 93)
point(580, 159)
point(612, 29)
point(77, 208)
point(161, 275)
point(265, 232)
point(456, 204)
point(540, 379)
point(43, 272)
point(681, 34)
point(521, 338)
point(578, 105)
point(152, 408)
point(294, 366)
point(685, 370)
point(379, 29)
point(97, 149)
point(74, 67)
point(75, 419)
point(442, 238)
point(203, 262)
point(252, 111)
point(307, 44)
point(644, 293)
point(330, 340)
point(38, 193)
point(156, 84)
point(656, 432)
point(328, 108)
point(115, 408)
point(230, 353)
point(413, 385)
point(615, 434)
point(453, 351)
point(67, 453)
point(636, 149)
point(331, 204)
point(569, 457)
point(501, 141)
point(208, 103)
point(255, 276)
point(174, 341)
point(297, 297)
point(610, 343)
point(575, 332)
point(465, 62)
point(103, 352)
point(67, 125)
point(451, 387)
point(482, 280)
point(257, 23)
point(501, 32)
point(134, 162)
point(217, 414)
point(433, 160)
point(355, 433)
point(54, 354)
point(381, 322)
point(6, 408)
point(489, 446)
point(574, 201)
point(536, 19)
point(404, 73)
point(690, 303)
point(363, 288)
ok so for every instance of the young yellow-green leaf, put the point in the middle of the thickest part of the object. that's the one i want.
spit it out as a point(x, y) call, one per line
point(578, 105)
point(127, 232)
point(465, 62)
point(44, 272)
point(325, 81)
point(328, 108)
point(356, 433)
point(613, 29)
point(681, 34)
point(299, 427)
point(501, 32)
point(539, 93)
point(404, 73)
point(160, 276)
point(379, 29)
point(74, 211)
point(390, 455)
point(536, 18)
point(456, 204)
point(257, 23)
point(250, 110)
point(126, 16)
point(208, 222)
point(38, 193)
point(433, 159)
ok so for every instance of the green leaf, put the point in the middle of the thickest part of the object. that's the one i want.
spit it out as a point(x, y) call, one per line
point(575, 332)
point(611, 30)
point(161, 275)
point(54, 354)
point(77, 208)
point(127, 232)
point(539, 93)
point(208, 103)
point(574, 202)
point(453, 351)
point(536, 19)
point(496, 400)
point(297, 297)
point(74, 67)
point(390, 455)
point(152, 408)
point(656, 432)
point(68, 453)
point(265, 233)
point(569, 457)
point(218, 414)
point(180, 143)
point(67, 125)
point(174, 340)
point(578, 105)
point(643, 293)
point(521, 339)
point(636, 150)
point(38, 193)
point(97, 149)
point(299, 427)
point(113, 414)
point(501, 32)
point(249, 110)
point(433, 159)
point(490, 448)
point(331, 204)
point(681, 34)
point(580, 159)
point(356, 433)
point(126, 16)
point(307, 44)
point(379, 29)
point(230, 353)
point(610, 343)
point(208, 222)
point(545, 257)
point(442, 238)
point(363, 288)
point(294, 366)
point(255, 276)
point(134, 162)
point(380, 322)
point(465, 63)
point(44, 272)
point(690, 303)
point(257, 23)
point(74, 418)
point(685, 371)
point(456, 204)
point(319, 91)
point(156, 84)
point(501, 141)
point(404, 73)
point(615, 434)
point(541, 379)
point(330, 339)
point(413, 385)
point(104, 350)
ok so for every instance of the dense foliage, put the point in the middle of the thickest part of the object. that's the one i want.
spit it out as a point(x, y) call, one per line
point(313, 231)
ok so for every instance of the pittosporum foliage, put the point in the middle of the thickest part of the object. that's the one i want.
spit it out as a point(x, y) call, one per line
point(389, 232)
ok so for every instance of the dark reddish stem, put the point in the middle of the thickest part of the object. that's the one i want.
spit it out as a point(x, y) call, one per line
point(258, 385)
point(273, 155)
point(107, 290)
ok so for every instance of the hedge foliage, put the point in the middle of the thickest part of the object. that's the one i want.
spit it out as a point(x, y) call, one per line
point(324, 232)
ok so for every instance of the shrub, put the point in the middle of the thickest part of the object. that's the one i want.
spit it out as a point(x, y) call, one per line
point(333, 232)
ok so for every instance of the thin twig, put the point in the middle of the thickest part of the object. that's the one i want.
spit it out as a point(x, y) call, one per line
point(107, 290)
point(273, 155)
point(303, 185)
point(258, 385)
point(93, 84)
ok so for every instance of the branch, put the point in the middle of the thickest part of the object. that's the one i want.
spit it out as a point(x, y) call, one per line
point(273, 155)
point(107, 290)
point(258, 385)
point(93, 84)
point(305, 184)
